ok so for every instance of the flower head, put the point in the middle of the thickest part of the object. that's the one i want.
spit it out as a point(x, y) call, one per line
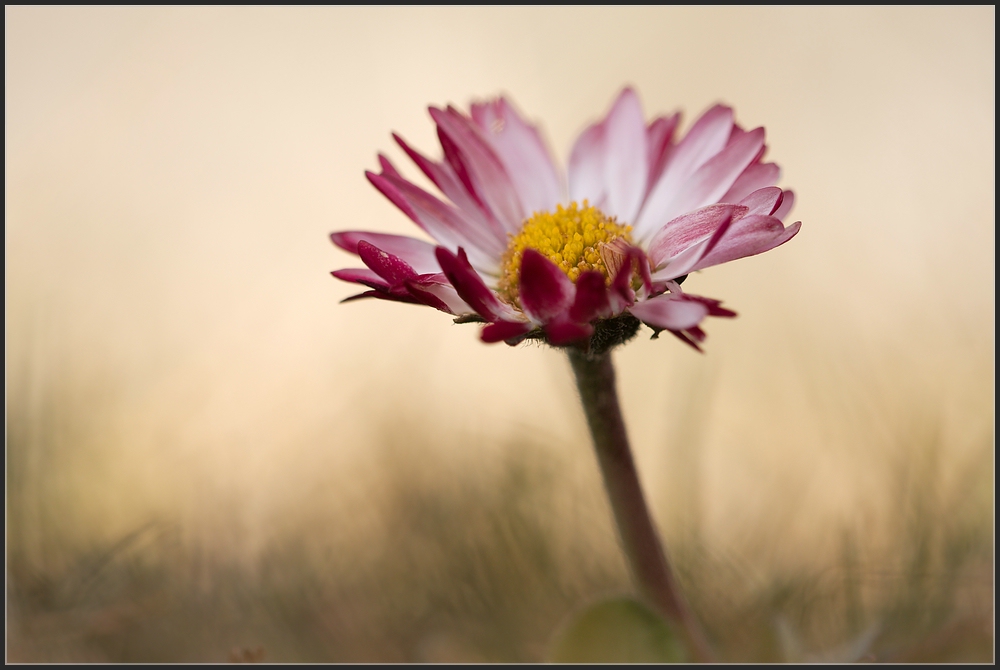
point(581, 260)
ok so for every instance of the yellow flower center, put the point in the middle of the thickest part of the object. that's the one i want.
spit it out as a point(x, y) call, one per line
point(572, 237)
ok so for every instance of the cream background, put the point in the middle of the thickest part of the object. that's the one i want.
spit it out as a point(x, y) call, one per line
point(172, 175)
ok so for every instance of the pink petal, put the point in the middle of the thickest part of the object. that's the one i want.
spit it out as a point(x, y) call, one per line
point(428, 298)
point(381, 295)
point(609, 164)
point(707, 137)
point(586, 167)
point(417, 253)
point(473, 156)
point(391, 268)
point(659, 136)
point(736, 134)
point(387, 167)
point(682, 263)
point(709, 183)
point(763, 201)
point(546, 293)
point(641, 265)
point(713, 179)
point(615, 254)
point(454, 189)
point(681, 314)
point(384, 287)
point(714, 306)
point(380, 182)
point(445, 223)
point(626, 157)
point(453, 158)
point(621, 294)
point(697, 334)
point(523, 153)
point(688, 230)
point(439, 173)
point(435, 290)
point(691, 337)
point(787, 202)
point(755, 177)
point(399, 279)
point(748, 236)
point(361, 276)
point(470, 286)
point(505, 330)
point(670, 312)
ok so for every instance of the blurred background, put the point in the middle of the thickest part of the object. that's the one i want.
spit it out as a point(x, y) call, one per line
point(209, 458)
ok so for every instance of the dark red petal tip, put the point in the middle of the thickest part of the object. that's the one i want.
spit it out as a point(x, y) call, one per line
point(469, 284)
point(591, 298)
point(546, 293)
point(505, 331)
point(391, 268)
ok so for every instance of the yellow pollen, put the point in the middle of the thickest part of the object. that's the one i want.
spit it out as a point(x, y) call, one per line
point(572, 237)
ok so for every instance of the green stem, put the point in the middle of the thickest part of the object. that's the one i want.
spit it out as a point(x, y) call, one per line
point(595, 378)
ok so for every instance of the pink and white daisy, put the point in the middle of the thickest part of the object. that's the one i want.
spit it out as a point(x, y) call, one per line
point(582, 259)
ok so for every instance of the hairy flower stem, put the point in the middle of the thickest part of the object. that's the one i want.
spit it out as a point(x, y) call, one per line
point(595, 378)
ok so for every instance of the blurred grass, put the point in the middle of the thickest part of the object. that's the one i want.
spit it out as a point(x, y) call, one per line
point(191, 474)
point(420, 558)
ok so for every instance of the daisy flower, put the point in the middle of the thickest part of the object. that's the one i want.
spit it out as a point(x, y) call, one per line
point(580, 259)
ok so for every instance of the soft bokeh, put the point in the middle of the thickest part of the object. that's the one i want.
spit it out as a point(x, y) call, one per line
point(187, 400)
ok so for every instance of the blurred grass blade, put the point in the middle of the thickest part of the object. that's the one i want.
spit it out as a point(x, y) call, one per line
point(617, 630)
